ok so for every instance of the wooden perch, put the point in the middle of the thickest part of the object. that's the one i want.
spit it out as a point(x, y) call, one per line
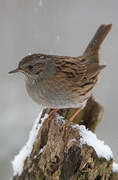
point(56, 156)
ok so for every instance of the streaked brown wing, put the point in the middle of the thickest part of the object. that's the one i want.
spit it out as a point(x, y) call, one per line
point(70, 68)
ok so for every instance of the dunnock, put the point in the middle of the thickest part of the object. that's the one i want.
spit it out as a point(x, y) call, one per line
point(63, 81)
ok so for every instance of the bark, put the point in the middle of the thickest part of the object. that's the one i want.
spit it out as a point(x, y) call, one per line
point(63, 157)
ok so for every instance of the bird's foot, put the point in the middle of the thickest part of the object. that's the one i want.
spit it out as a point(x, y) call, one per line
point(68, 122)
point(50, 116)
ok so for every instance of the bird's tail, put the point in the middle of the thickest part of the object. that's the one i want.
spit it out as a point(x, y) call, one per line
point(93, 47)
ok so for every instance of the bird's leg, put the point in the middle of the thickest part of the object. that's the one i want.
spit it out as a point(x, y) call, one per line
point(50, 116)
point(65, 126)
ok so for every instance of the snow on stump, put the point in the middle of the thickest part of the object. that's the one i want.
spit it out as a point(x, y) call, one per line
point(50, 154)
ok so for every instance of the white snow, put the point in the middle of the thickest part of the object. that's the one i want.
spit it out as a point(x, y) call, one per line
point(73, 140)
point(41, 150)
point(115, 167)
point(60, 119)
point(25, 152)
point(87, 137)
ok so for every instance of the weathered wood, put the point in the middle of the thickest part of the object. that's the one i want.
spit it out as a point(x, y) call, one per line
point(63, 157)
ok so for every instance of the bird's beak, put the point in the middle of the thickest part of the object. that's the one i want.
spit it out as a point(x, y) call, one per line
point(15, 71)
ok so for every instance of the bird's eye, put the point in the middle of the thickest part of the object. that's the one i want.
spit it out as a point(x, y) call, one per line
point(30, 67)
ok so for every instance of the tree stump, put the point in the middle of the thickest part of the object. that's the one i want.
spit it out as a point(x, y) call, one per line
point(57, 155)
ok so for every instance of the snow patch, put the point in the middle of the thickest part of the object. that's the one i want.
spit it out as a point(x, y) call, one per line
point(87, 137)
point(60, 119)
point(73, 140)
point(41, 150)
point(25, 152)
point(115, 167)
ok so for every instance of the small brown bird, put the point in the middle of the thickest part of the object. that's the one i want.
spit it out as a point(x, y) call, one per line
point(62, 81)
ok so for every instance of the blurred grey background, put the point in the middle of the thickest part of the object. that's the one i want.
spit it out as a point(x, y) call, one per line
point(62, 27)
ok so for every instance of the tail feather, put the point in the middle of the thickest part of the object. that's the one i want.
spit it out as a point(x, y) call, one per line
point(94, 69)
point(93, 47)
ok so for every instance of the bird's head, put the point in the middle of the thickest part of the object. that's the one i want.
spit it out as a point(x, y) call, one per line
point(35, 66)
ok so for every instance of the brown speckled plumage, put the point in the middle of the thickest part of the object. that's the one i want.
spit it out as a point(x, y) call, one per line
point(63, 81)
